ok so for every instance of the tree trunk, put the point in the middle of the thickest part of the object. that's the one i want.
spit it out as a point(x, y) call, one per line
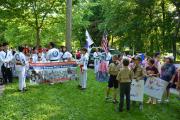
point(38, 40)
point(68, 24)
point(112, 44)
point(175, 38)
point(163, 22)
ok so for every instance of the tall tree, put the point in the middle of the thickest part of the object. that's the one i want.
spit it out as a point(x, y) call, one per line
point(34, 13)
point(68, 24)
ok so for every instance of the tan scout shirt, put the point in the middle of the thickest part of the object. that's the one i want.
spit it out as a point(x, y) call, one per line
point(125, 75)
point(113, 69)
point(139, 73)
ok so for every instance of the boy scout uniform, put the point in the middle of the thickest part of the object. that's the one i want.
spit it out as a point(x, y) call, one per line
point(124, 77)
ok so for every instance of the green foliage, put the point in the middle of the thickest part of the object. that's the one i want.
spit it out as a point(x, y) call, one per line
point(66, 102)
point(145, 25)
point(140, 24)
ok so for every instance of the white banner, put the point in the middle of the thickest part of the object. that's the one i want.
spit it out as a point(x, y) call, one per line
point(52, 72)
point(137, 90)
point(155, 87)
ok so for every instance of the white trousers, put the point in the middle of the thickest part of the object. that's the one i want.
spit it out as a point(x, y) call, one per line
point(96, 66)
point(21, 75)
point(83, 78)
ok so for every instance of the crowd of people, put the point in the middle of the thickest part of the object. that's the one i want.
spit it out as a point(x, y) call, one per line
point(122, 69)
point(18, 60)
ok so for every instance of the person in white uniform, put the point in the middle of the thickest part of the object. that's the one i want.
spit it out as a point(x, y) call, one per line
point(61, 53)
point(6, 68)
point(83, 68)
point(53, 54)
point(20, 60)
point(43, 55)
point(34, 55)
point(108, 57)
point(96, 56)
point(66, 54)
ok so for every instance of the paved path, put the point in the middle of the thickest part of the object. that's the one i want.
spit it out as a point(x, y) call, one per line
point(1, 89)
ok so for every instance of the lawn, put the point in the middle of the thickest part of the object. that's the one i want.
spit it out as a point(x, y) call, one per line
point(66, 102)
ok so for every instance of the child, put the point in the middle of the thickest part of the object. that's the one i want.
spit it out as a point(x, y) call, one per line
point(124, 77)
point(138, 74)
point(83, 68)
point(113, 71)
point(151, 71)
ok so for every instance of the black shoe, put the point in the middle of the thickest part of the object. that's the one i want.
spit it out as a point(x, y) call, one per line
point(79, 86)
point(82, 88)
point(21, 91)
point(25, 89)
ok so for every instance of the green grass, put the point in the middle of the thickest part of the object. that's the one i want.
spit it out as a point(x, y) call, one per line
point(66, 102)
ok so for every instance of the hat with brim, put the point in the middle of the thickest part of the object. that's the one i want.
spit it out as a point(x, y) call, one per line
point(138, 58)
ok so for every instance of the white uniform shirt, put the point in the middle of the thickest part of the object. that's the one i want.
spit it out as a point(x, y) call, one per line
point(8, 59)
point(43, 57)
point(53, 54)
point(97, 57)
point(34, 58)
point(2, 57)
point(20, 57)
point(67, 55)
point(84, 61)
point(108, 56)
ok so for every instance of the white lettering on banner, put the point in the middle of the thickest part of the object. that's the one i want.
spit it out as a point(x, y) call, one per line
point(137, 90)
point(155, 87)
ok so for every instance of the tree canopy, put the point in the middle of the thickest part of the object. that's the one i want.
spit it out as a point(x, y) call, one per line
point(143, 25)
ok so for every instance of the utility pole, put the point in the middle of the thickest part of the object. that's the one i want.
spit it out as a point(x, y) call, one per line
point(68, 24)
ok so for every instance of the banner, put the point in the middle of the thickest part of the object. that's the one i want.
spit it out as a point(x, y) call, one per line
point(137, 90)
point(155, 87)
point(52, 72)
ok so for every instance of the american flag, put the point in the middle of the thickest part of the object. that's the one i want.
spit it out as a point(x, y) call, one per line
point(104, 43)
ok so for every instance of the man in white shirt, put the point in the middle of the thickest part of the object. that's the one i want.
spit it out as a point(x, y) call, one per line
point(34, 55)
point(6, 68)
point(96, 56)
point(83, 68)
point(20, 60)
point(53, 54)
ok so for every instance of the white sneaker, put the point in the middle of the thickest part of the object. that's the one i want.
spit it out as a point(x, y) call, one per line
point(166, 101)
point(159, 101)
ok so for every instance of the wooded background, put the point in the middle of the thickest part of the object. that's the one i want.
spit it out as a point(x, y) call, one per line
point(143, 25)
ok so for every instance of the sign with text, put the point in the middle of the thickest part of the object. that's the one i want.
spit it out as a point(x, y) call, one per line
point(155, 87)
point(137, 90)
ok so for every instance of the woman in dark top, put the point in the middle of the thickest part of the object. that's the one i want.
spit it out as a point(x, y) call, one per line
point(168, 71)
point(151, 71)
